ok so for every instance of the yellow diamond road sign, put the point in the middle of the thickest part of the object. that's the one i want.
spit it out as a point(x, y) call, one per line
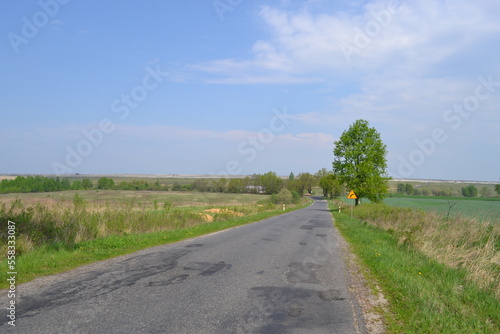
point(352, 195)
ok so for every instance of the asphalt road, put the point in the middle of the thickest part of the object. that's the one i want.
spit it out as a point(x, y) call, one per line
point(280, 275)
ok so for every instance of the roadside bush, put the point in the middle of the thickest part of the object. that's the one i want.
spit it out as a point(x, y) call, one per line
point(296, 197)
point(283, 197)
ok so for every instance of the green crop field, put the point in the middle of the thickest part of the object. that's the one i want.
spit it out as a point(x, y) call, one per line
point(487, 209)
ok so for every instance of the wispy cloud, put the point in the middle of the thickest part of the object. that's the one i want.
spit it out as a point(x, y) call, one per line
point(128, 133)
point(57, 22)
point(304, 46)
point(167, 132)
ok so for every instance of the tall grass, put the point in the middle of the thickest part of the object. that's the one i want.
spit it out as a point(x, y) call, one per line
point(66, 223)
point(459, 242)
point(424, 295)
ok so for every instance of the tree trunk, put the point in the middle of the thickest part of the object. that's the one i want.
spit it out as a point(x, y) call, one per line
point(356, 201)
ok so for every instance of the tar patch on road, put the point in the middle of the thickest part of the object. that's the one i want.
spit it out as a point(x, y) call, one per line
point(330, 295)
point(280, 309)
point(314, 223)
point(100, 282)
point(302, 272)
point(173, 280)
point(207, 268)
point(203, 269)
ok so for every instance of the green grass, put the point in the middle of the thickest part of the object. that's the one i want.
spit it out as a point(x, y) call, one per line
point(56, 257)
point(482, 209)
point(424, 296)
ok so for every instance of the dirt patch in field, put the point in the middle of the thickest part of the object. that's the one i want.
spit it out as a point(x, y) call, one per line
point(207, 217)
point(239, 214)
point(210, 218)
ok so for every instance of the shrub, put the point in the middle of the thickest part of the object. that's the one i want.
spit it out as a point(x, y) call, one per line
point(470, 191)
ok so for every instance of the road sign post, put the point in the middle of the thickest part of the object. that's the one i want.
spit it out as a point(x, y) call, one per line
point(353, 196)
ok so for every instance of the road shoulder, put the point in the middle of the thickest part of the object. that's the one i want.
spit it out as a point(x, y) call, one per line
point(368, 294)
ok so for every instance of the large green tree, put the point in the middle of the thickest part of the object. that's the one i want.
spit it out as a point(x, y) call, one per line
point(360, 161)
point(271, 182)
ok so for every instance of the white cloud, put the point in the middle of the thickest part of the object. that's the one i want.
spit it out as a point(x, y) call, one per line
point(305, 46)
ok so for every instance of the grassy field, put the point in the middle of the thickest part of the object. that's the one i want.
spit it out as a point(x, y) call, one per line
point(59, 231)
point(483, 209)
point(425, 295)
point(179, 198)
point(441, 275)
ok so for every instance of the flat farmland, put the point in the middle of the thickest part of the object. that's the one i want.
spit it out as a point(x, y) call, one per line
point(148, 198)
point(482, 209)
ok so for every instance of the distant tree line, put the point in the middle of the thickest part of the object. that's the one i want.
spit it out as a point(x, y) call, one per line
point(31, 184)
point(469, 191)
point(268, 183)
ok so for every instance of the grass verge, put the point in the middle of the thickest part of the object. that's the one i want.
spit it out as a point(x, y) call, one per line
point(424, 295)
point(59, 257)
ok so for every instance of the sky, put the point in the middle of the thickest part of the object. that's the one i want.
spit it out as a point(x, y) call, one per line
point(237, 87)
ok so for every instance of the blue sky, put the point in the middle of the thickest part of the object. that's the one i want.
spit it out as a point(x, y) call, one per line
point(243, 87)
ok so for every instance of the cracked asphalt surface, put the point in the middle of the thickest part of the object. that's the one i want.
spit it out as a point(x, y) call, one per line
point(281, 275)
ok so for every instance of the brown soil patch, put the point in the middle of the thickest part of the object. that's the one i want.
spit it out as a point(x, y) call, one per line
point(239, 214)
point(207, 217)
point(210, 218)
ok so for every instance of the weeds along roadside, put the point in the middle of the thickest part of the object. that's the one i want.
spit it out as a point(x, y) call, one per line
point(459, 242)
point(426, 294)
point(59, 235)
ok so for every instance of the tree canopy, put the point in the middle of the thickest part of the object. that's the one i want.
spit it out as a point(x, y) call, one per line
point(360, 161)
point(330, 185)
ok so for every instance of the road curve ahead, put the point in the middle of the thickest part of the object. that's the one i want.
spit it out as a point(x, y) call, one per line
point(280, 275)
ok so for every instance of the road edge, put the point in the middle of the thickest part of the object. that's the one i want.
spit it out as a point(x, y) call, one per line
point(369, 297)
